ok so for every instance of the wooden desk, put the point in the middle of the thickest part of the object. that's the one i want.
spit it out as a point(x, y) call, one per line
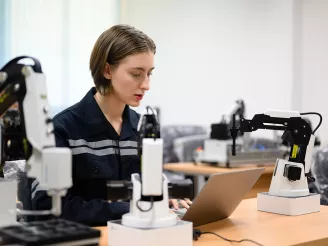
point(265, 228)
point(201, 171)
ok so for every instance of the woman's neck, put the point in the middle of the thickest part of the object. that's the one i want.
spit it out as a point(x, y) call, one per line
point(111, 106)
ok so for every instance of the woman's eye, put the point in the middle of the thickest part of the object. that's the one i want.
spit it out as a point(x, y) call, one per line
point(136, 74)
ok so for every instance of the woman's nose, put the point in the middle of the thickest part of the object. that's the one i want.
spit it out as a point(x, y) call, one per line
point(145, 84)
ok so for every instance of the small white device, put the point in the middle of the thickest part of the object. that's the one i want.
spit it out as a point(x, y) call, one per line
point(150, 221)
point(217, 146)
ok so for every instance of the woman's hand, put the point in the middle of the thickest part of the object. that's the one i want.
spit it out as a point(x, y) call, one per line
point(177, 203)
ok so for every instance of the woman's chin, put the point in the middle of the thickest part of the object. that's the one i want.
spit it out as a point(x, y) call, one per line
point(134, 103)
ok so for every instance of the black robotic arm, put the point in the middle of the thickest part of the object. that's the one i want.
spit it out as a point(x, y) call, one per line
point(297, 132)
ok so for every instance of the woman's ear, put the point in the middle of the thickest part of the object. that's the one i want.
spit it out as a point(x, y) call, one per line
point(108, 71)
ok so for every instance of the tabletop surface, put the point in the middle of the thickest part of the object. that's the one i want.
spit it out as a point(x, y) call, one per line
point(204, 169)
point(264, 228)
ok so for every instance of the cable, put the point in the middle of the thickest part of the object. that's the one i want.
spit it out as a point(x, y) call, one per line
point(147, 210)
point(155, 125)
point(197, 233)
point(319, 121)
point(148, 107)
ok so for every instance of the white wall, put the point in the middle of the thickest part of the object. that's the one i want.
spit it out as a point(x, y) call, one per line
point(271, 53)
point(312, 65)
point(212, 52)
point(61, 34)
point(36, 30)
point(87, 20)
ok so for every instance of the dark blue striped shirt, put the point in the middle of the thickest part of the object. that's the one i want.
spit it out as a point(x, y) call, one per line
point(99, 154)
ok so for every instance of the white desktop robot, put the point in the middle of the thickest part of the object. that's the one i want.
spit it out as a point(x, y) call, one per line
point(149, 221)
point(50, 165)
point(217, 146)
point(289, 191)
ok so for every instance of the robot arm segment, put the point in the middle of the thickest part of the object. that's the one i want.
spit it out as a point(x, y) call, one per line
point(151, 150)
point(51, 166)
point(149, 191)
point(297, 132)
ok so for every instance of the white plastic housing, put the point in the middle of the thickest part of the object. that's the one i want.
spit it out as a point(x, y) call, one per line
point(282, 113)
point(57, 171)
point(36, 111)
point(8, 192)
point(216, 150)
point(281, 186)
point(308, 156)
point(179, 234)
point(157, 217)
point(292, 206)
point(152, 167)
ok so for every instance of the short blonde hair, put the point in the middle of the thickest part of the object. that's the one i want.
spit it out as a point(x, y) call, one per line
point(112, 46)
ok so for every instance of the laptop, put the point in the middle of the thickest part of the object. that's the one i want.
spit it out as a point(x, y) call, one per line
point(220, 196)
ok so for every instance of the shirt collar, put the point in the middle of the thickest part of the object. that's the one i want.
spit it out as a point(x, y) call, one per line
point(96, 122)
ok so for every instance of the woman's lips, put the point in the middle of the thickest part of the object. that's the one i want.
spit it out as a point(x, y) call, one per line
point(138, 96)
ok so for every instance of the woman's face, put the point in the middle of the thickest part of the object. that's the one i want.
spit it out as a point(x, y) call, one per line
point(130, 79)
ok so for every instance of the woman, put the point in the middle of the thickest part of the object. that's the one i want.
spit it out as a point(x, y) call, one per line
point(101, 129)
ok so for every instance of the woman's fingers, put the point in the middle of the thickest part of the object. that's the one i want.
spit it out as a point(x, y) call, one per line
point(175, 203)
point(188, 201)
point(184, 204)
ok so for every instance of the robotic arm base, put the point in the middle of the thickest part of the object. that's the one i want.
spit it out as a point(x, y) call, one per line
point(289, 180)
point(158, 215)
point(289, 192)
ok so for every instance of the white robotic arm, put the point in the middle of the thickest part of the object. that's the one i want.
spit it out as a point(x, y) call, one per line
point(149, 204)
point(290, 177)
point(150, 221)
point(51, 166)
